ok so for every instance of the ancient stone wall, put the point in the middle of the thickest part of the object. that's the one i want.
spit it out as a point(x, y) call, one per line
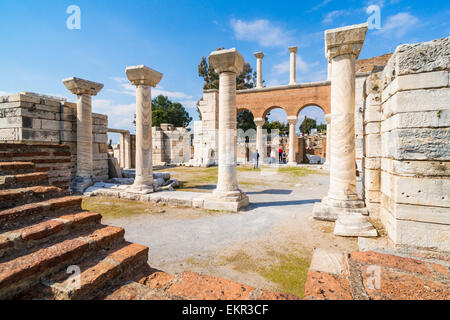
point(171, 145)
point(31, 117)
point(407, 145)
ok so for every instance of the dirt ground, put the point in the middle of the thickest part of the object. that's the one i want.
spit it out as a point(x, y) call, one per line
point(269, 245)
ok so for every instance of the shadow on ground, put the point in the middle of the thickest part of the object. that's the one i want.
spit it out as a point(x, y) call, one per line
point(255, 205)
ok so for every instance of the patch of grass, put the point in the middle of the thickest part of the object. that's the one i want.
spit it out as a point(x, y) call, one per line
point(289, 273)
point(240, 261)
point(299, 171)
point(245, 169)
point(116, 208)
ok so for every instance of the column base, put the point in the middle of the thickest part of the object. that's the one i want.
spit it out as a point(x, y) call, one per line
point(292, 164)
point(79, 184)
point(226, 201)
point(141, 188)
point(350, 216)
point(354, 225)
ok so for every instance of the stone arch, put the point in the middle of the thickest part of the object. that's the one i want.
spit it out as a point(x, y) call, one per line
point(267, 110)
point(311, 104)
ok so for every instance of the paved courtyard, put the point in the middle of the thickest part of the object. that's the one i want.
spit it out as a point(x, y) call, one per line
point(269, 245)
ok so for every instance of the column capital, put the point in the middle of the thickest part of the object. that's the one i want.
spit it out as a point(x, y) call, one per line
point(345, 40)
point(259, 121)
point(143, 75)
point(82, 87)
point(292, 120)
point(259, 55)
point(328, 118)
point(293, 49)
point(227, 60)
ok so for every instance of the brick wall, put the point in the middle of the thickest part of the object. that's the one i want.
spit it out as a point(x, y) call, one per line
point(51, 158)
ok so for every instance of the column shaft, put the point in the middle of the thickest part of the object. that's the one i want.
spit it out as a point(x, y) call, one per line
point(293, 66)
point(292, 136)
point(127, 149)
point(227, 180)
point(84, 136)
point(328, 147)
point(342, 172)
point(259, 82)
point(144, 170)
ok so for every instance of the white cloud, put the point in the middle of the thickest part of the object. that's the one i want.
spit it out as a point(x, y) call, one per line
point(4, 93)
point(329, 18)
point(398, 25)
point(321, 4)
point(120, 116)
point(261, 31)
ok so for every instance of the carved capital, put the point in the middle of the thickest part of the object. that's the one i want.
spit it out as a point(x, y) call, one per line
point(259, 121)
point(259, 55)
point(292, 120)
point(345, 40)
point(143, 75)
point(82, 87)
point(229, 60)
point(293, 49)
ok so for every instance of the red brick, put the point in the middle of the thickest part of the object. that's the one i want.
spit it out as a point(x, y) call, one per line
point(42, 230)
point(81, 218)
point(157, 280)
point(325, 286)
point(198, 287)
point(104, 236)
point(268, 295)
point(390, 261)
point(129, 254)
point(399, 286)
point(442, 270)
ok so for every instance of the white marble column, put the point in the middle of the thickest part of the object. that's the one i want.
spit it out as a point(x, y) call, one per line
point(260, 141)
point(329, 71)
point(328, 147)
point(127, 149)
point(228, 196)
point(143, 78)
point(342, 204)
point(84, 89)
point(292, 139)
point(259, 80)
point(293, 65)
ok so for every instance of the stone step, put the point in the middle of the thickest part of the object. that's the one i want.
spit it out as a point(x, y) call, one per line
point(22, 239)
point(23, 180)
point(30, 213)
point(28, 270)
point(131, 290)
point(16, 197)
point(7, 168)
point(98, 273)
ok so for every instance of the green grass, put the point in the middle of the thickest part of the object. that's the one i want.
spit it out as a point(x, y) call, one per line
point(289, 273)
point(299, 171)
point(116, 208)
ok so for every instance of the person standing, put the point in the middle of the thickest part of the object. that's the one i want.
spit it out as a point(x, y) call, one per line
point(280, 155)
point(256, 162)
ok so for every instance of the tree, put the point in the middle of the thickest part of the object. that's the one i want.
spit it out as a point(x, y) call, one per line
point(166, 111)
point(246, 80)
point(282, 128)
point(307, 125)
point(245, 120)
point(321, 127)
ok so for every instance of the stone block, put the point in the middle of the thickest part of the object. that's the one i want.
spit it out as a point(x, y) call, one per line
point(372, 114)
point(429, 119)
point(417, 144)
point(427, 80)
point(100, 138)
point(68, 136)
point(9, 134)
point(372, 179)
point(372, 128)
point(51, 125)
point(373, 145)
point(372, 163)
point(416, 168)
point(418, 191)
point(42, 135)
point(416, 234)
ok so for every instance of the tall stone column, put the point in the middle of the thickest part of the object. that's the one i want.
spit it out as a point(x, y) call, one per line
point(342, 204)
point(259, 81)
point(260, 145)
point(329, 71)
point(293, 65)
point(328, 150)
point(292, 137)
point(84, 89)
point(227, 196)
point(143, 78)
point(127, 149)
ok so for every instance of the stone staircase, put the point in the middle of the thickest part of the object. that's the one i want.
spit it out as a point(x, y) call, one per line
point(45, 236)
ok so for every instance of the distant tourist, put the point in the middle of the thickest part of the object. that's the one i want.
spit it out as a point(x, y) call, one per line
point(280, 155)
point(256, 162)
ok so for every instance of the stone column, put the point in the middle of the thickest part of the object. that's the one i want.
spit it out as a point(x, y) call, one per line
point(328, 151)
point(292, 138)
point(329, 71)
point(143, 78)
point(227, 196)
point(260, 145)
point(259, 81)
point(84, 89)
point(127, 149)
point(343, 46)
point(293, 65)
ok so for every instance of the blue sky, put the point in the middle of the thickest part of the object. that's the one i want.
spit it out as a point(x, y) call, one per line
point(38, 50)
